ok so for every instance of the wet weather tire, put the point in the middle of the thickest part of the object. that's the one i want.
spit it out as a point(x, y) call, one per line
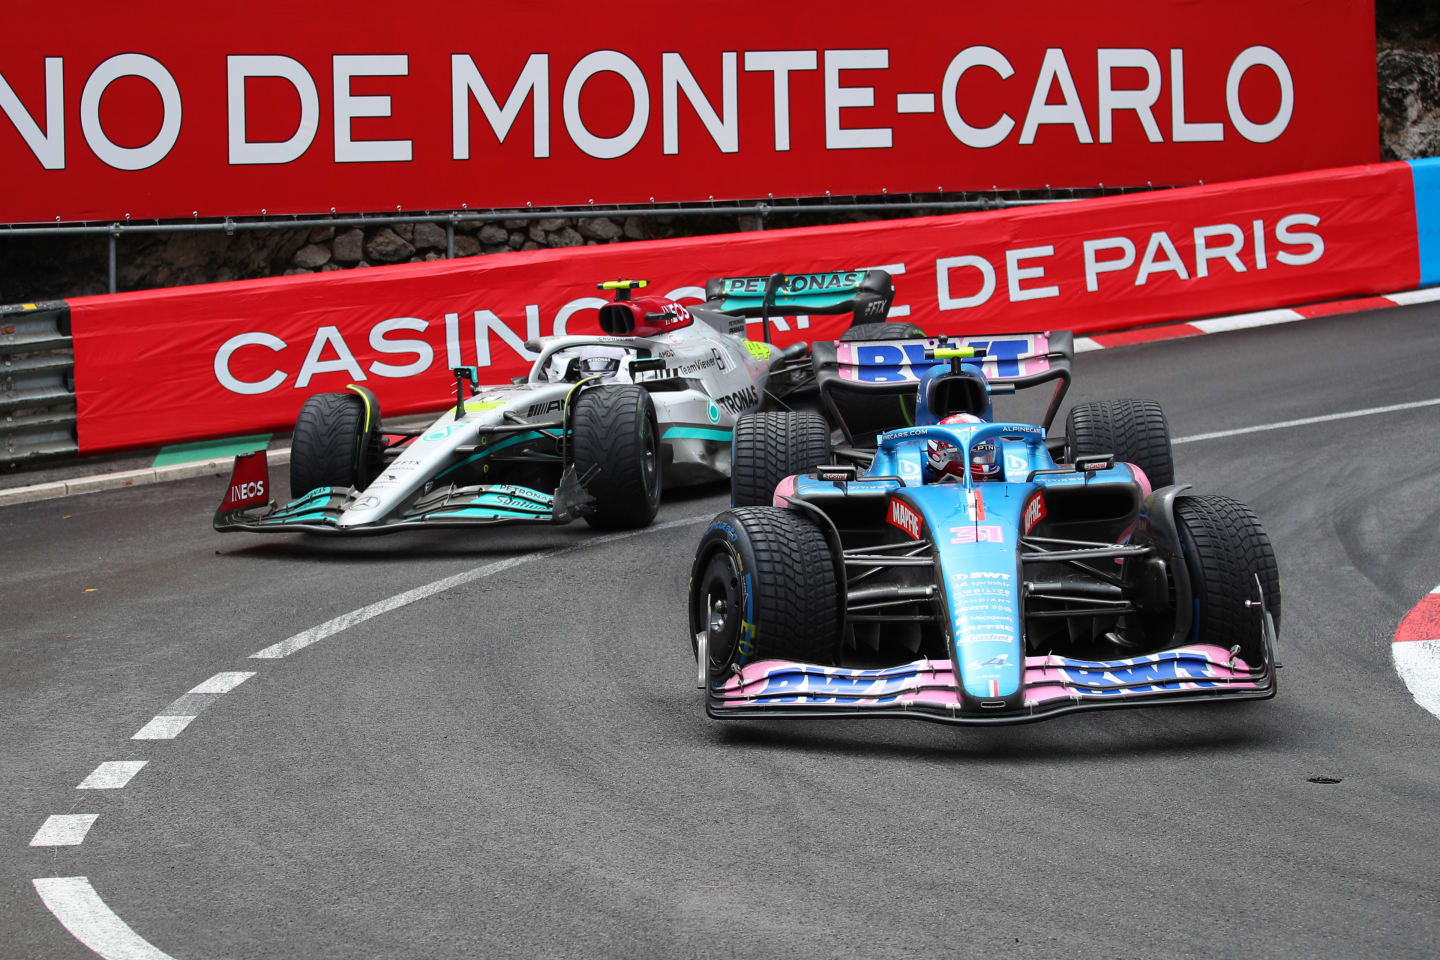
point(1135, 431)
point(764, 586)
point(1226, 548)
point(768, 447)
point(617, 455)
point(890, 330)
point(331, 447)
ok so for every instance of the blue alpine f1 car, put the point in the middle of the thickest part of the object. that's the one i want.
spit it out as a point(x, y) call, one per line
point(934, 562)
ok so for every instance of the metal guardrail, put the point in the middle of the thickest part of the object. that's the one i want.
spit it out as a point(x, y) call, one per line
point(37, 383)
point(764, 211)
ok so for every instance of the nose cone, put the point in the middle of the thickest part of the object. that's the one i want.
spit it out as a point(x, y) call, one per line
point(976, 536)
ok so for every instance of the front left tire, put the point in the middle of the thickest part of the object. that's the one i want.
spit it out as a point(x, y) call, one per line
point(1135, 431)
point(763, 586)
point(768, 447)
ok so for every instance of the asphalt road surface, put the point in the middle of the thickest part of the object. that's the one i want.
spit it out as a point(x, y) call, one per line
point(519, 765)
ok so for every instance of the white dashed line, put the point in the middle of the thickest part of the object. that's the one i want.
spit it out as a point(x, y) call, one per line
point(76, 904)
point(111, 775)
point(81, 911)
point(162, 728)
point(223, 682)
point(64, 830)
point(1306, 421)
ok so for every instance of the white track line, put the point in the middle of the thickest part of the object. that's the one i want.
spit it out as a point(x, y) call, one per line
point(345, 621)
point(1416, 651)
point(1244, 321)
point(162, 728)
point(223, 682)
point(81, 911)
point(111, 775)
point(64, 830)
point(1418, 663)
point(1305, 421)
point(1428, 295)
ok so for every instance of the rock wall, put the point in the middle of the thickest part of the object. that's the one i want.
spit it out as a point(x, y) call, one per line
point(1407, 38)
point(43, 268)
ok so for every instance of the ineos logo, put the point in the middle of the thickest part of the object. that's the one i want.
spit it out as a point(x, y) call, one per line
point(245, 491)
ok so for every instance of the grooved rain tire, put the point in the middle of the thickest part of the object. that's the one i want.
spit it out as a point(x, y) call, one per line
point(616, 436)
point(1135, 431)
point(889, 330)
point(1225, 548)
point(778, 564)
point(768, 447)
point(324, 450)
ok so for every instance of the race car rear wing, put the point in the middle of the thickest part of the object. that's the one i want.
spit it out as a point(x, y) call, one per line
point(855, 375)
point(866, 294)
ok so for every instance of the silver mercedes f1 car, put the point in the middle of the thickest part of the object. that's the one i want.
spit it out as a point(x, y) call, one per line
point(597, 428)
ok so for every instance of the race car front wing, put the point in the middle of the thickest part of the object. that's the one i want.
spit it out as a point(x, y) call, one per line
point(321, 510)
point(929, 690)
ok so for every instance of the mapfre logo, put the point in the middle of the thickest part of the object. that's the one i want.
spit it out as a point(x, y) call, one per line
point(1034, 513)
point(906, 519)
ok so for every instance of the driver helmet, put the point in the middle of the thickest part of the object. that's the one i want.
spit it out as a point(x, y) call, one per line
point(589, 360)
point(944, 459)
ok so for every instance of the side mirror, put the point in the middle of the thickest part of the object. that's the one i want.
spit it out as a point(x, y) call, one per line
point(1091, 462)
point(461, 375)
point(843, 473)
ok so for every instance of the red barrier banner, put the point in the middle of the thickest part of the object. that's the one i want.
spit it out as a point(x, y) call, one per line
point(186, 363)
point(309, 108)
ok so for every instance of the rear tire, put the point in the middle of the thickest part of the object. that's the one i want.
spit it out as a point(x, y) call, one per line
point(331, 447)
point(1225, 549)
point(889, 330)
point(617, 445)
point(1135, 431)
point(763, 585)
point(768, 447)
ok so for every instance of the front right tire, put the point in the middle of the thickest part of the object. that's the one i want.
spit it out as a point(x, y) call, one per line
point(1226, 549)
point(617, 455)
